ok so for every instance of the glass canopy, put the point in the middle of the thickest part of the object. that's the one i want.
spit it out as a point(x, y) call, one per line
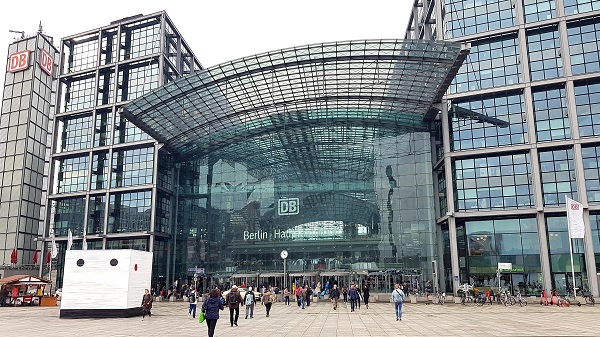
point(311, 104)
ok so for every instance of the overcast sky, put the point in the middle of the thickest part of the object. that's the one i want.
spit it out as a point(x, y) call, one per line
point(219, 30)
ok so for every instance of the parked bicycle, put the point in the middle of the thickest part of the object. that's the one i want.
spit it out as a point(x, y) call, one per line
point(589, 299)
point(440, 298)
point(519, 299)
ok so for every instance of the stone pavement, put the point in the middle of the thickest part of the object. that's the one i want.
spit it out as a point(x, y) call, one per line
point(170, 319)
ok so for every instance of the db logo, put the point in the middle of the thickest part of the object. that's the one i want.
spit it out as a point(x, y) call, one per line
point(18, 61)
point(47, 62)
point(289, 206)
point(574, 207)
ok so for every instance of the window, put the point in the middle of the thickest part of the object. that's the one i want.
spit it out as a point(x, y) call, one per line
point(466, 17)
point(69, 215)
point(581, 6)
point(544, 54)
point(584, 46)
point(493, 183)
point(129, 212)
point(587, 101)
point(76, 133)
point(490, 63)
point(591, 169)
point(558, 176)
point(551, 118)
point(72, 174)
point(538, 10)
point(132, 167)
point(488, 122)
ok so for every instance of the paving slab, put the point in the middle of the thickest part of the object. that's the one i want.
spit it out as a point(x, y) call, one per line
point(319, 319)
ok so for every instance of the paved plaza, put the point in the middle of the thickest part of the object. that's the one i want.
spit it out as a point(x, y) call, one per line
point(170, 319)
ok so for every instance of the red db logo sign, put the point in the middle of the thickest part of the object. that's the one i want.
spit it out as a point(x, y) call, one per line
point(574, 207)
point(47, 62)
point(18, 61)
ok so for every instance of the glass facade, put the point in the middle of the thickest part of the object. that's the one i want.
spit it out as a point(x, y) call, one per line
point(523, 133)
point(488, 242)
point(105, 181)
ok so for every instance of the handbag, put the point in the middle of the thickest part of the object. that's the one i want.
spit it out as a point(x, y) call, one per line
point(201, 317)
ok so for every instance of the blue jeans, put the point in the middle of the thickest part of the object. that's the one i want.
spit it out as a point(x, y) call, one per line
point(192, 310)
point(302, 303)
point(398, 309)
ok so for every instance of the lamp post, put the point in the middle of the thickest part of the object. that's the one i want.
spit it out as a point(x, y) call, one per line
point(284, 255)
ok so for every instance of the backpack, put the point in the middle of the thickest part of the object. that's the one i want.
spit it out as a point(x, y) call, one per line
point(400, 296)
point(232, 297)
point(249, 298)
point(192, 297)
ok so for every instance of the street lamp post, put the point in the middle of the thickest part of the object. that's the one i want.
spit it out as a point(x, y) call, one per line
point(284, 255)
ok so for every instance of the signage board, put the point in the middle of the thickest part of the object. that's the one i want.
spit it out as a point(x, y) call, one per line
point(288, 206)
point(47, 62)
point(18, 61)
point(504, 265)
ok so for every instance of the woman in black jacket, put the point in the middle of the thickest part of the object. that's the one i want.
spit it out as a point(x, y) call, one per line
point(366, 294)
point(211, 308)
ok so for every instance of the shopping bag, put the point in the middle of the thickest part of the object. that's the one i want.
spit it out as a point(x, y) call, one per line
point(201, 317)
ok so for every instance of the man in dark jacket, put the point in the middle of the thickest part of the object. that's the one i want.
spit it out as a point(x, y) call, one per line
point(147, 304)
point(234, 299)
point(334, 295)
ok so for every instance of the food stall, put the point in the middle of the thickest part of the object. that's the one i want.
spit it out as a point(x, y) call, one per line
point(27, 290)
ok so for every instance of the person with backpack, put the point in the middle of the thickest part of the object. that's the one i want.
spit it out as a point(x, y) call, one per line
point(234, 299)
point(193, 299)
point(249, 302)
point(267, 301)
point(398, 299)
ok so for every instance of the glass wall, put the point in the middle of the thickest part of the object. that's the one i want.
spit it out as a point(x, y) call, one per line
point(560, 258)
point(373, 214)
point(488, 242)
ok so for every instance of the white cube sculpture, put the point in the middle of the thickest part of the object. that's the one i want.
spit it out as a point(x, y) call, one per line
point(104, 283)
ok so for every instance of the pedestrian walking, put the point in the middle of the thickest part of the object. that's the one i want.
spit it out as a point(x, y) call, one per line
point(309, 293)
point(298, 295)
point(193, 300)
point(334, 296)
point(353, 295)
point(286, 294)
point(211, 308)
point(303, 293)
point(359, 295)
point(3, 295)
point(249, 301)
point(366, 295)
point(234, 299)
point(345, 294)
point(147, 304)
point(267, 301)
point(398, 299)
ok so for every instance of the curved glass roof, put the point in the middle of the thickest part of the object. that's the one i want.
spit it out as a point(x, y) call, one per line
point(307, 103)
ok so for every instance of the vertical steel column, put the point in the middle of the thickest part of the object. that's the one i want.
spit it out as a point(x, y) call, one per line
point(175, 225)
point(450, 198)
